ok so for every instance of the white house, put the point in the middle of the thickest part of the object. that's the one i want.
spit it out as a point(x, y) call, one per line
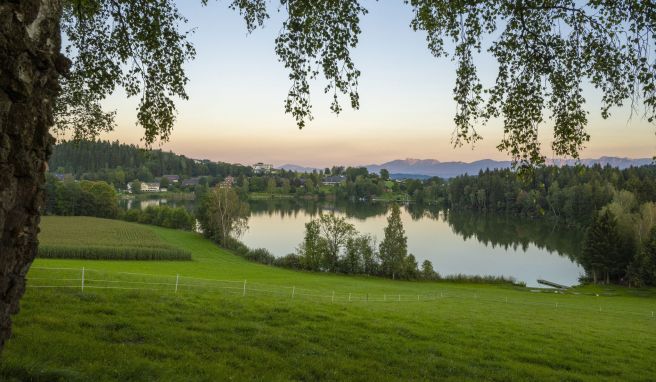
point(145, 187)
point(149, 187)
point(333, 180)
point(262, 168)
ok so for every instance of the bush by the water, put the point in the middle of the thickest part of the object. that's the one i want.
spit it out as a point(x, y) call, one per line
point(259, 255)
point(113, 253)
point(84, 198)
point(481, 279)
point(163, 216)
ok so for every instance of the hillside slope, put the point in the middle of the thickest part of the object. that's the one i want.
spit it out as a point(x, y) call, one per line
point(207, 332)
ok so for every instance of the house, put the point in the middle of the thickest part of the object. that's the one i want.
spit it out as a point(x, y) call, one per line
point(333, 180)
point(145, 187)
point(262, 168)
point(191, 182)
point(149, 187)
point(172, 178)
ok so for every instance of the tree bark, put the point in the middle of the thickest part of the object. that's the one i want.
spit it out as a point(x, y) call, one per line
point(30, 63)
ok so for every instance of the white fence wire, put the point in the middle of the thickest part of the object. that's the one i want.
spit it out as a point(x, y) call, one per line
point(96, 279)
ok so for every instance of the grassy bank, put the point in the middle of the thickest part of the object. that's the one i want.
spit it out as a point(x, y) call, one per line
point(438, 331)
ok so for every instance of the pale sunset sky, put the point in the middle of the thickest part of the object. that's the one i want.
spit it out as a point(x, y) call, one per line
point(237, 87)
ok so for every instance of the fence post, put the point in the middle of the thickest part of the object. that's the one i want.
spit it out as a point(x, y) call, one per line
point(177, 278)
point(652, 313)
point(82, 279)
point(333, 299)
point(293, 291)
point(244, 294)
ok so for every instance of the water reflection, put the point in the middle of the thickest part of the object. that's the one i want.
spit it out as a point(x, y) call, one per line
point(459, 242)
point(507, 232)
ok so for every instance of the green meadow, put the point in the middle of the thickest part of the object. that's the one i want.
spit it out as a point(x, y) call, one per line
point(193, 321)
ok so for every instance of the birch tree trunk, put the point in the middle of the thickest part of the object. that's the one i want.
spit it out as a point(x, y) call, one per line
point(30, 63)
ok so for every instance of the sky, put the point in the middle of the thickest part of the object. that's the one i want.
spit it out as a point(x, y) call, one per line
point(237, 87)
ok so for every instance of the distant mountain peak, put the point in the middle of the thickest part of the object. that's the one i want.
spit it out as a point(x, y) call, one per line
point(422, 168)
point(433, 167)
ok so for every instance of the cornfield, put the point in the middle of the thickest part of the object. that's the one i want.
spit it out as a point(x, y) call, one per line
point(103, 239)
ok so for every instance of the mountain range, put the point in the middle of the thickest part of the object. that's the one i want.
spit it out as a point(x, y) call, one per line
point(420, 168)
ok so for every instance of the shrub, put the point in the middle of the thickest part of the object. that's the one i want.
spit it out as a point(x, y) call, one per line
point(292, 261)
point(236, 246)
point(482, 279)
point(163, 216)
point(260, 255)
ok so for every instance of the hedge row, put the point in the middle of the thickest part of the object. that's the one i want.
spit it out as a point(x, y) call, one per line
point(112, 253)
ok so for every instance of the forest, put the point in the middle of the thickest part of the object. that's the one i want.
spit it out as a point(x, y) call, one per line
point(120, 163)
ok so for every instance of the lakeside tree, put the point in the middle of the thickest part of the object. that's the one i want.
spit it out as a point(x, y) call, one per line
point(135, 187)
point(394, 247)
point(601, 246)
point(312, 251)
point(222, 214)
point(409, 270)
point(271, 186)
point(544, 50)
point(245, 187)
point(359, 257)
point(336, 231)
point(642, 271)
point(427, 271)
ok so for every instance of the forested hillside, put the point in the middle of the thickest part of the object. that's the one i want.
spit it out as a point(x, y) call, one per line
point(119, 163)
point(571, 194)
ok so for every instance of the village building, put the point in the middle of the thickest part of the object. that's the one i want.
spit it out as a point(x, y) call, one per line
point(145, 187)
point(333, 180)
point(262, 168)
point(191, 182)
point(172, 178)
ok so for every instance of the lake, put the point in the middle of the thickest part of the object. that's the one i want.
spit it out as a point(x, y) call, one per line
point(456, 243)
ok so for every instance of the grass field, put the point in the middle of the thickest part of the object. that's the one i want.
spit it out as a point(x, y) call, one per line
point(79, 237)
point(438, 331)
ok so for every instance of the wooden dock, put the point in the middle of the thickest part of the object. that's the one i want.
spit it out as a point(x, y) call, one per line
point(552, 284)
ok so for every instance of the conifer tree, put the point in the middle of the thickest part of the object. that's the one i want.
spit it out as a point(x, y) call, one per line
point(394, 247)
point(601, 246)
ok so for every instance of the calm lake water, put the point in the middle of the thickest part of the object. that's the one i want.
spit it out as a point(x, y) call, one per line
point(456, 243)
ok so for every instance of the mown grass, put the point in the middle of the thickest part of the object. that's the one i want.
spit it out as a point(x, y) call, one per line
point(79, 237)
point(473, 332)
